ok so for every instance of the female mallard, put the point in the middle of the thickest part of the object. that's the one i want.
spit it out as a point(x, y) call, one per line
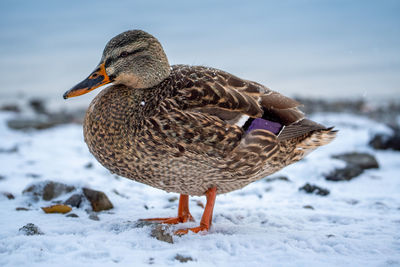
point(192, 130)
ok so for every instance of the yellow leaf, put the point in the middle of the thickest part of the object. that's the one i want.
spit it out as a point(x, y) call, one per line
point(57, 209)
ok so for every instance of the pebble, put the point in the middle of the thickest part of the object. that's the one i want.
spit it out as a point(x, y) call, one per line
point(98, 200)
point(30, 229)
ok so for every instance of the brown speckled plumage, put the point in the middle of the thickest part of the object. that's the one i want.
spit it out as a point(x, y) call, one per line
point(180, 135)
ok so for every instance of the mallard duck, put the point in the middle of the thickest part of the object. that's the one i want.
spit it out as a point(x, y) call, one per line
point(191, 130)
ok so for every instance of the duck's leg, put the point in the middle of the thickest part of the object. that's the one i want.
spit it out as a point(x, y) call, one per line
point(183, 213)
point(206, 219)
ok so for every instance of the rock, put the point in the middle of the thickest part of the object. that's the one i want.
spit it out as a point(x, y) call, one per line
point(38, 106)
point(356, 163)
point(384, 141)
point(46, 120)
point(362, 160)
point(344, 174)
point(88, 165)
point(2, 177)
point(30, 229)
point(10, 108)
point(8, 195)
point(277, 178)
point(172, 199)
point(47, 190)
point(143, 223)
point(98, 200)
point(13, 149)
point(54, 189)
point(182, 258)
point(24, 123)
point(308, 207)
point(308, 188)
point(150, 261)
point(72, 215)
point(21, 209)
point(161, 233)
point(74, 201)
point(93, 216)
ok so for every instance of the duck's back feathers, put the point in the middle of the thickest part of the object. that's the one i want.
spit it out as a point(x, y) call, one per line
point(230, 98)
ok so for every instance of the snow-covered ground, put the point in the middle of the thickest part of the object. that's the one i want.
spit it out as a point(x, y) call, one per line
point(264, 224)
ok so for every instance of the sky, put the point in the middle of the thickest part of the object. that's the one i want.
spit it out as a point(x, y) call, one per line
point(329, 49)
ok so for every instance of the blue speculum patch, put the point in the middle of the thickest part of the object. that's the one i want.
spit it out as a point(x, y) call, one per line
point(264, 124)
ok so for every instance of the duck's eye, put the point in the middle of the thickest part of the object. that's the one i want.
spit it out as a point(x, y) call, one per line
point(124, 54)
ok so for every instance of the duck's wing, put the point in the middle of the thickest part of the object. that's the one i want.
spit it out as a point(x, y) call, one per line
point(214, 110)
point(224, 95)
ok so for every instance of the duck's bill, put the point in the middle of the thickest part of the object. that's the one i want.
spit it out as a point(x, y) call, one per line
point(96, 79)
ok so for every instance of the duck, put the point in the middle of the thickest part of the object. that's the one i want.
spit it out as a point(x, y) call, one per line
point(191, 130)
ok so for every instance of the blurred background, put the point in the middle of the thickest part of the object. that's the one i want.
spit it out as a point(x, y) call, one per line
point(319, 49)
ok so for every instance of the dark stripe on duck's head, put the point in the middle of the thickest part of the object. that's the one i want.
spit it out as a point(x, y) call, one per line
point(264, 124)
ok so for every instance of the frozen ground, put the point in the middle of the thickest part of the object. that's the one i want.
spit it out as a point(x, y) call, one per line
point(264, 224)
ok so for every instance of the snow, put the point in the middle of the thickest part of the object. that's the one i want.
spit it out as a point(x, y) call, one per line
point(264, 224)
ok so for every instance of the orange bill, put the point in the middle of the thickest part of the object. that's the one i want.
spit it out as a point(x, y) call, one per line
point(96, 79)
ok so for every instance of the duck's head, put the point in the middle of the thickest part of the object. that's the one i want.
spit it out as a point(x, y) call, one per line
point(133, 58)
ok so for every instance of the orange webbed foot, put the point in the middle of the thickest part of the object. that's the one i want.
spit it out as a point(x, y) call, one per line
point(206, 219)
point(194, 230)
point(171, 220)
point(183, 213)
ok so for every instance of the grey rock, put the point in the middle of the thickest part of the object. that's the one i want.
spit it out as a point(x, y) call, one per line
point(21, 209)
point(47, 190)
point(344, 174)
point(98, 200)
point(54, 189)
point(8, 195)
point(25, 123)
point(143, 223)
point(11, 108)
point(160, 232)
point(74, 201)
point(308, 188)
point(362, 160)
point(172, 199)
point(93, 216)
point(182, 258)
point(88, 165)
point(150, 261)
point(45, 120)
point(13, 149)
point(73, 215)
point(38, 106)
point(30, 229)
point(384, 141)
point(309, 207)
